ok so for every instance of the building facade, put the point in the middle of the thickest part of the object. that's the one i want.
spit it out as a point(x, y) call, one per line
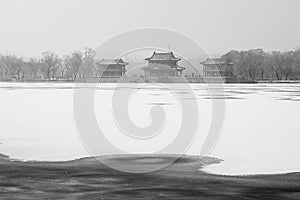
point(111, 68)
point(217, 68)
point(163, 65)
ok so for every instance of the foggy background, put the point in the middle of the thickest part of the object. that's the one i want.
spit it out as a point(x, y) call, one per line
point(33, 26)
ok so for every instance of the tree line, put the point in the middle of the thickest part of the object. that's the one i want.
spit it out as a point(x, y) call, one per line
point(254, 64)
point(48, 67)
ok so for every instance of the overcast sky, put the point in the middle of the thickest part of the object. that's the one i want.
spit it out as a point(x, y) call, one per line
point(29, 27)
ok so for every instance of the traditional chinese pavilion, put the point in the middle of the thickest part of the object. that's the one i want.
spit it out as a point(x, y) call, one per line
point(163, 65)
point(111, 67)
point(216, 67)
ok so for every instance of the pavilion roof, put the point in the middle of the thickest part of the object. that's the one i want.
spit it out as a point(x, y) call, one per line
point(112, 62)
point(162, 56)
point(163, 68)
point(215, 61)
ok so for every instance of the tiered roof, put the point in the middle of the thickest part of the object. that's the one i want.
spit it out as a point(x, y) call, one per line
point(112, 62)
point(216, 61)
point(162, 57)
point(163, 68)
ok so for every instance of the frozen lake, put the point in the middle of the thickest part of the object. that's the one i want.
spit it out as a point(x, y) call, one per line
point(260, 134)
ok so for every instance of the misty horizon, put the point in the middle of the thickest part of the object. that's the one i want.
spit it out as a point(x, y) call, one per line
point(32, 27)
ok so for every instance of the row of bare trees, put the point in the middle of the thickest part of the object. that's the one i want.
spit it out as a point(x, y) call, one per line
point(48, 67)
point(256, 64)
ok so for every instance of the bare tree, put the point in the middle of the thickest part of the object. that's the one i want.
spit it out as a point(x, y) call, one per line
point(277, 64)
point(62, 68)
point(248, 64)
point(35, 66)
point(289, 63)
point(283, 64)
point(297, 63)
point(87, 65)
point(13, 66)
point(50, 61)
point(258, 65)
point(73, 64)
point(4, 67)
